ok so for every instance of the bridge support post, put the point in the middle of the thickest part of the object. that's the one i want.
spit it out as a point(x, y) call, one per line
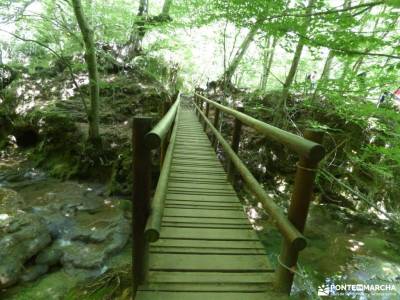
point(216, 123)
point(164, 144)
point(201, 101)
point(206, 113)
point(141, 197)
point(297, 213)
point(196, 102)
point(237, 128)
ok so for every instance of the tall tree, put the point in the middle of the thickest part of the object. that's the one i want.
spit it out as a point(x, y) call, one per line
point(267, 64)
point(142, 24)
point(135, 40)
point(91, 62)
point(293, 68)
point(227, 77)
point(327, 66)
point(166, 7)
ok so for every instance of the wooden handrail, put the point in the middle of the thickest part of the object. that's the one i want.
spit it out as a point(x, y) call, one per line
point(292, 235)
point(153, 226)
point(155, 137)
point(294, 142)
point(147, 214)
point(310, 151)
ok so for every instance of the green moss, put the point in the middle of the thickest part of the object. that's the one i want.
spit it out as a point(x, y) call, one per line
point(52, 286)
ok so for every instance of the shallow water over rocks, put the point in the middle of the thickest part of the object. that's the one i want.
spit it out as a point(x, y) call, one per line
point(57, 232)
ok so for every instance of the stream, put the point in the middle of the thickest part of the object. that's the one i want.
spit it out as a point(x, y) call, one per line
point(56, 235)
point(339, 251)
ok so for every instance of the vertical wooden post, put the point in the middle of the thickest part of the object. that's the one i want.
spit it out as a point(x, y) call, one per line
point(164, 144)
point(141, 197)
point(216, 124)
point(196, 102)
point(201, 108)
point(297, 213)
point(206, 113)
point(237, 127)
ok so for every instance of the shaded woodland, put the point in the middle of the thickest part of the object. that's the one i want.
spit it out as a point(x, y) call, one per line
point(73, 74)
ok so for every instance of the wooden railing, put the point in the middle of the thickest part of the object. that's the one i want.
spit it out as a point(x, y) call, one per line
point(310, 152)
point(146, 215)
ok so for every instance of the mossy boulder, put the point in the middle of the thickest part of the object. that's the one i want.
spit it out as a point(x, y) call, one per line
point(22, 236)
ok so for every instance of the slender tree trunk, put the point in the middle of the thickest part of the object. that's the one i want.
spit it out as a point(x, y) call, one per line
point(240, 53)
point(280, 118)
point(357, 65)
point(135, 40)
point(292, 72)
point(166, 7)
point(265, 55)
point(325, 72)
point(346, 65)
point(328, 65)
point(270, 61)
point(91, 62)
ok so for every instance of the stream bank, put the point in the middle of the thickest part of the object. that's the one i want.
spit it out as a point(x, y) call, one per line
point(56, 235)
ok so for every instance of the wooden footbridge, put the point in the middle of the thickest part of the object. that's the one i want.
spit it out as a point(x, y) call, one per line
point(192, 239)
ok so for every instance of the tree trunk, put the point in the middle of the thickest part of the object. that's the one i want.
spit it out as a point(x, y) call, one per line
point(325, 73)
point(280, 118)
point(265, 57)
point(136, 38)
point(270, 61)
point(91, 62)
point(227, 77)
point(292, 72)
point(327, 67)
point(166, 7)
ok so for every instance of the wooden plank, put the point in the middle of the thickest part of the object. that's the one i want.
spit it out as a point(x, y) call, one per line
point(215, 198)
point(207, 244)
point(196, 163)
point(216, 172)
point(207, 287)
point(199, 158)
point(191, 171)
point(159, 295)
point(204, 179)
point(191, 137)
point(209, 234)
point(231, 214)
point(210, 226)
point(194, 159)
point(205, 250)
point(184, 151)
point(194, 152)
point(208, 262)
point(210, 277)
point(192, 207)
point(192, 144)
point(194, 191)
point(180, 177)
point(198, 185)
point(197, 220)
point(205, 203)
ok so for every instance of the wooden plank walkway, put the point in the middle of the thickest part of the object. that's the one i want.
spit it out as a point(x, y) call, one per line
point(207, 247)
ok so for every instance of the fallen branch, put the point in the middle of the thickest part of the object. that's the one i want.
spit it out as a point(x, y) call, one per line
point(331, 177)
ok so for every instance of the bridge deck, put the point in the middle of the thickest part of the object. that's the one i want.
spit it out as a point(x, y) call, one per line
point(207, 247)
